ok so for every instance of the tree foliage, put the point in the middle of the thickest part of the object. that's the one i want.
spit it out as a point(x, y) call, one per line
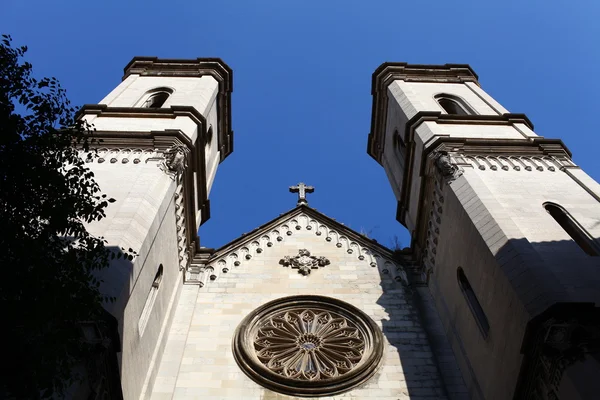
point(48, 259)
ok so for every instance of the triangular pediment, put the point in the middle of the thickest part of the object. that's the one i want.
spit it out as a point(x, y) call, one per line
point(209, 265)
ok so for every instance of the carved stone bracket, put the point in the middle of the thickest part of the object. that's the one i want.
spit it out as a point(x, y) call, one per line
point(175, 161)
point(446, 166)
point(304, 262)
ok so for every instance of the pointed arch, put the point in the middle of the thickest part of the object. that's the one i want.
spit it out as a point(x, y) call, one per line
point(453, 104)
point(570, 225)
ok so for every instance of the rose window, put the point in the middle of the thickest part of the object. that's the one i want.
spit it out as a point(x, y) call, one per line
point(308, 345)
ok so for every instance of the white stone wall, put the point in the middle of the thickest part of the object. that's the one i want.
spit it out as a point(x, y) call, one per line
point(198, 92)
point(491, 222)
point(490, 365)
point(198, 361)
point(421, 96)
point(519, 196)
point(142, 218)
point(518, 260)
point(405, 100)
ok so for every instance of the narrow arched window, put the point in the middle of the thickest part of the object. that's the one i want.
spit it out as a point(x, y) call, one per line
point(453, 104)
point(147, 310)
point(585, 241)
point(156, 98)
point(472, 301)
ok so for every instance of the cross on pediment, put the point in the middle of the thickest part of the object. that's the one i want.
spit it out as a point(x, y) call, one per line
point(302, 189)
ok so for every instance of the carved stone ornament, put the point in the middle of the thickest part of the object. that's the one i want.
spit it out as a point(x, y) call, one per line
point(446, 167)
point(308, 346)
point(304, 262)
point(175, 162)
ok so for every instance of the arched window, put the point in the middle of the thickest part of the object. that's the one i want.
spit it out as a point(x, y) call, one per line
point(453, 104)
point(572, 227)
point(472, 301)
point(156, 98)
point(146, 311)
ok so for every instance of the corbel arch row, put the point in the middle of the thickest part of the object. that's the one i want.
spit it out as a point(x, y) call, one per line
point(226, 262)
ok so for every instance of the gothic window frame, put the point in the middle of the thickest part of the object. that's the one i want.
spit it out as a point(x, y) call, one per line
point(573, 228)
point(258, 340)
point(155, 98)
point(457, 101)
point(473, 302)
point(150, 300)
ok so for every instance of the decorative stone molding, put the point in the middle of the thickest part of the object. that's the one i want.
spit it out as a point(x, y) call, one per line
point(121, 155)
point(433, 231)
point(180, 221)
point(172, 161)
point(449, 165)
point(510, 162)
point(304, 262)
point(263, 241)
point(308, 346)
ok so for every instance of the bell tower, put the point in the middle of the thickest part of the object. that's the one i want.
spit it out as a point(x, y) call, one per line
point(162, 133)
point(504, 230)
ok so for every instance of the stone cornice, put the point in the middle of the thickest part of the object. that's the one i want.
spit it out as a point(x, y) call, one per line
point(102, 110)
point(388, 72)
point(160, 140)
point(448, 158)
point(534, 147)
point(477, 119)
point(215, 67)
point(125, 139)
point(205, 267)
point(154, 66)
point(141, 147)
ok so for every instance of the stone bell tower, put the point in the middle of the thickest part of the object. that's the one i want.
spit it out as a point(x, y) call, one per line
point(504, 227)
point(164, 130)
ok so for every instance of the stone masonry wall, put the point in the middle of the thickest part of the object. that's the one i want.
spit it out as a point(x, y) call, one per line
point(198, 362)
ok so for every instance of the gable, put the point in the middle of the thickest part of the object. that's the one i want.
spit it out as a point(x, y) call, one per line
point(230, 287)
point(299, 228)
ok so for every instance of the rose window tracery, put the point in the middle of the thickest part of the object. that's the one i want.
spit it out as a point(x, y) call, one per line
point(305, 345)
point(308, 345)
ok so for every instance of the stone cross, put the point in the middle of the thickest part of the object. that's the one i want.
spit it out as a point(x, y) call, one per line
point(302, 189)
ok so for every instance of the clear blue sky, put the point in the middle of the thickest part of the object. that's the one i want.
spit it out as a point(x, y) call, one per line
point(302, 73)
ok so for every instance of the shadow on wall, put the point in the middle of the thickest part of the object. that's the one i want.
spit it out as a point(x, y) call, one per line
point(102, 377)
point(556, 282)
point(409, 363)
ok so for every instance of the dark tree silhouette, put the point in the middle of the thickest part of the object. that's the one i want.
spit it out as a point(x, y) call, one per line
point(48, 285)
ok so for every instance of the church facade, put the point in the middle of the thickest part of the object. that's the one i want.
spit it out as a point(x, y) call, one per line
point(496, 298)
